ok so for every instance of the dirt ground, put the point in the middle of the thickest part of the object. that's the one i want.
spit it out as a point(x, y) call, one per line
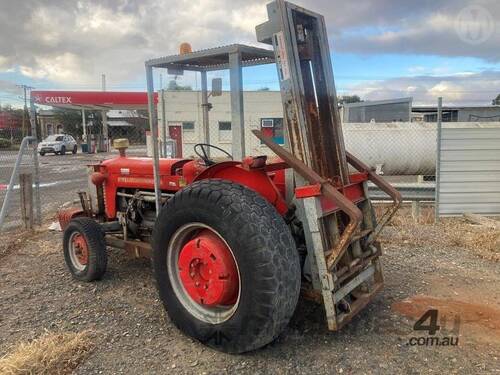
point(448, 267)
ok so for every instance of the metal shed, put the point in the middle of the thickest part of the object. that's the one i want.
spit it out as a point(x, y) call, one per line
point(378, 110)
point(468, 178)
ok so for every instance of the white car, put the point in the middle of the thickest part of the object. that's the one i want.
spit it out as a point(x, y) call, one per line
point(58, 144)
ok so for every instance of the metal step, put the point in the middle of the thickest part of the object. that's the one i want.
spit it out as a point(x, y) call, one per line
point(353, 284)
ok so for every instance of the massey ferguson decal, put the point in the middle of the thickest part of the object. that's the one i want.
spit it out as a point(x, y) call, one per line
point(136, 180)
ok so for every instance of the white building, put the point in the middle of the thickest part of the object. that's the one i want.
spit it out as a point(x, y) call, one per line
point(184, 118)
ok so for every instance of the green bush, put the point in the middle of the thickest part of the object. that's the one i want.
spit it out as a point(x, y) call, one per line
point(5, 143)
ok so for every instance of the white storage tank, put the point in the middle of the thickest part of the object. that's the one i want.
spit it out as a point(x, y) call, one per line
point(397, 148)
point(400, 148)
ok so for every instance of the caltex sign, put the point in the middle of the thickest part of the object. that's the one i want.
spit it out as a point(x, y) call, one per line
point(92, 99)
point(58, 100)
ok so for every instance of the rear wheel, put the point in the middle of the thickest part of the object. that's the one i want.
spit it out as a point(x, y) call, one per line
point(226, 266)
point(85, 249)
point(75, 149)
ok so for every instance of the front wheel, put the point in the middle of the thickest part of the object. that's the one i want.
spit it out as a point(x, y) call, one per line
point(63, 151)
point(75, 149)
point(226, 266)
point(85, 249)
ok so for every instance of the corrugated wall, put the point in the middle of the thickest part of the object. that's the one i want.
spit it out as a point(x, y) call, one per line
point(469, 178)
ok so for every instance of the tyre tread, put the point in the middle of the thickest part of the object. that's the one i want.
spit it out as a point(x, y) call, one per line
point(96, 243)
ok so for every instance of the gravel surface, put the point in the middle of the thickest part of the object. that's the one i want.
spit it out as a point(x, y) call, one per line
point(133, 334)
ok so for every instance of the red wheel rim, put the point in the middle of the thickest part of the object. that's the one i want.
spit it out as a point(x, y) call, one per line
point(80, 249)
point(208, 271)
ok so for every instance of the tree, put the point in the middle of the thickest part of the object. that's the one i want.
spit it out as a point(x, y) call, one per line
point(10, 123)
point(16, 113)
point(174, 86)
point(345, 99)
point(496, 101)
point(72, 121)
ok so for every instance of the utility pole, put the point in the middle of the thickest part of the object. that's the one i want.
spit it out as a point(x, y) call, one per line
point(25, 110)
point(104, 114)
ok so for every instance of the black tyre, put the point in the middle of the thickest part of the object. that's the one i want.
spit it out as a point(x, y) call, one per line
point(85, 249)
point(261, 246)
point(63, 151)
point(42, 153)
point(75, 149)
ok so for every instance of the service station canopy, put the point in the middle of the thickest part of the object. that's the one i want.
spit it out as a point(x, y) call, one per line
point(92, 100)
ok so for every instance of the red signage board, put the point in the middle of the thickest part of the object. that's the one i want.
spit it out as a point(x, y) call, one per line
point(110, 99)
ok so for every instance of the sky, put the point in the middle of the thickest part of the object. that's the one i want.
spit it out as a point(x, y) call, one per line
point(380, 49)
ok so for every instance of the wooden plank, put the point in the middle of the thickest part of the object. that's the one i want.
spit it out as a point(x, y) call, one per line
point(479, 219)
point(26, 190)
point(458, 208)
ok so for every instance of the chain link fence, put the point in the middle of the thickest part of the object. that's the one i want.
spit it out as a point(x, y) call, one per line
point(64, 174)
point(10, 151)
point(402, 152)
point(64, 153)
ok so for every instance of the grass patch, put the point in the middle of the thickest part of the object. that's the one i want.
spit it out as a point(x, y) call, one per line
point(51, 353)
point(454, 231)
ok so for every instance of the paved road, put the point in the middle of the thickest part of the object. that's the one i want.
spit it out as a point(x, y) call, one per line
point(61, 177)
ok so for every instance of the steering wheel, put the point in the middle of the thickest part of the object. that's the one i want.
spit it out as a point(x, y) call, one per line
point(200, 149)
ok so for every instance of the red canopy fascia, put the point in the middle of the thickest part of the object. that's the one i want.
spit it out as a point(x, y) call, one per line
point(93, 99)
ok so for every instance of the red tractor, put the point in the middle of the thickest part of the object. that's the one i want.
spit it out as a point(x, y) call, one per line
point(232, 245)
point(222, 226)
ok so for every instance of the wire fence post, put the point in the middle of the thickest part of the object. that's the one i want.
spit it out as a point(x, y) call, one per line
point(36, 165)
point(237, 111)
point(163, 124)
point(205, 108)
point(153, 125)
point(26, 190)
point(12, 180)
point(438, 158)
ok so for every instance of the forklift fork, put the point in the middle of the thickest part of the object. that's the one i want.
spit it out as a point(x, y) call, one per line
point(336, 283)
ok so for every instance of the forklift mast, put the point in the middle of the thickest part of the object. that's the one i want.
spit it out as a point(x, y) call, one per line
point(300, 42)
point(342, 267)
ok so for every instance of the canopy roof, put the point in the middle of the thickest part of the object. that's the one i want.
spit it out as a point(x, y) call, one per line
point(214, 58)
